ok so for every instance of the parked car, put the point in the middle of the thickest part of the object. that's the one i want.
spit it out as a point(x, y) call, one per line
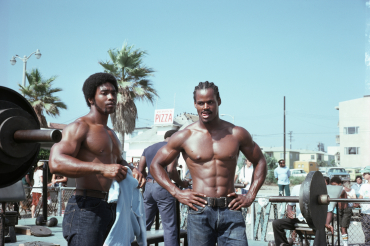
point(323, 170)
point(353, 173)
point(297, 173)
point(338, 172)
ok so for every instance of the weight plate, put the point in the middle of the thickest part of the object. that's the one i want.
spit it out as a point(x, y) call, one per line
point(12, 176)
point(314, 213)
point(10, 96)
point(40, 231)
point(7, 130)
point(13, 169)
point(8, 162)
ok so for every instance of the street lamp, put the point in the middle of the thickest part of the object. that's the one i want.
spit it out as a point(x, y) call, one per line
point(24, 59)
point(228, 115)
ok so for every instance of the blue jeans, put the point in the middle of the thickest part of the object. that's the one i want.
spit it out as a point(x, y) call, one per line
point(244, 191)
point(157, 198)
point(283, 188)
point(87, 220)
point(211, 225)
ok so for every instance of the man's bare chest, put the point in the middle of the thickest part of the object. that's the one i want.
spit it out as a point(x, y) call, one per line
point(101, 142)
point(207, 149)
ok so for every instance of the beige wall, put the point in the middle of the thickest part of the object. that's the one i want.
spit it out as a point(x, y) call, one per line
point(351, 114)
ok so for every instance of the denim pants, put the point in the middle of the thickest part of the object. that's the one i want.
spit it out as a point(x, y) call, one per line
point(211, 225)
point(88, 220)
point(365, 223)
point(157, 198)
point(283, 188)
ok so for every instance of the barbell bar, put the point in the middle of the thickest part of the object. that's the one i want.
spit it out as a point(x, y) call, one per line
point(321, 199)
point(20, 136)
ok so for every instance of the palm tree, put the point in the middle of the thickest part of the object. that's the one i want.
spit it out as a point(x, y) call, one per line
point(126, 66)
point(39, 94)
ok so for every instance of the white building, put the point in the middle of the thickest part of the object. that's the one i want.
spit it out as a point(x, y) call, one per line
point(335, 151)
point(142, 138)
point(297, 155)
point(354, 132)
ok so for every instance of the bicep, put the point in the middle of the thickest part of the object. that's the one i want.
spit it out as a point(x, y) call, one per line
point(248, 147)
point(166, 155)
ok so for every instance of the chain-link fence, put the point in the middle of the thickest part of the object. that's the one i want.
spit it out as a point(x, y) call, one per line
point(57, 198)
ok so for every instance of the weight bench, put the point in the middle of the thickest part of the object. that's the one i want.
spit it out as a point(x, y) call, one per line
point(12, 193)
point(307, 233)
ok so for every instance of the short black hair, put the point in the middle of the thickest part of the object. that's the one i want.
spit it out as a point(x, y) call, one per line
point(358, 177)
point(206, 85)
point(336, 180)
point(92, 82)
point(169, 133)
point(327, 180)
point(280, 161)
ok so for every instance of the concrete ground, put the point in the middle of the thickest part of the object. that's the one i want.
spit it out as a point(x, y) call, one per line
point(57, 235)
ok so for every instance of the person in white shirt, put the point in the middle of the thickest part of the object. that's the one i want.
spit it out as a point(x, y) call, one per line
point(37, 190)
point(357, 185)
point(245, 177)
point(365, 207)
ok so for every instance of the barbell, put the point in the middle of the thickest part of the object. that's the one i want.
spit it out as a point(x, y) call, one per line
point(313, 201)
point(20, 135)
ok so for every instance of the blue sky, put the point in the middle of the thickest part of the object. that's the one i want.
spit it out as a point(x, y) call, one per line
point(257, 52)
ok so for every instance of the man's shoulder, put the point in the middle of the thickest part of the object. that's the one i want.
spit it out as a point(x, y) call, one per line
point(81, 124)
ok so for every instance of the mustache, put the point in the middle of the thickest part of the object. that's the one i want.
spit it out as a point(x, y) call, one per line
point(207, 110)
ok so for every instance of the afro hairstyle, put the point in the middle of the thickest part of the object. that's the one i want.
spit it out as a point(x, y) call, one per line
point(92, 82)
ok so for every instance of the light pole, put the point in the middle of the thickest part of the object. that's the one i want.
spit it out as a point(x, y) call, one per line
point(228, 115)
point(24, 59)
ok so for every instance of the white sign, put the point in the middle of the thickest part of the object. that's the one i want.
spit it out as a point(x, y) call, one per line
point(163, 116)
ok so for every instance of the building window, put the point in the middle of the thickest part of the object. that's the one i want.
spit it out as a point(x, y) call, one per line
point(312, 157)
point(311, 164)
point(319, 157)
point(351, 130)
point(297, 155)
point(351, 150)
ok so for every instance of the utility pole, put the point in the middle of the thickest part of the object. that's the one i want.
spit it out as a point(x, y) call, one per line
point(290, 138)
point(284, 131)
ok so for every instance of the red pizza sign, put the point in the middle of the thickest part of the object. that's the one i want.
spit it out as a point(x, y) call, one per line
point(163, 116)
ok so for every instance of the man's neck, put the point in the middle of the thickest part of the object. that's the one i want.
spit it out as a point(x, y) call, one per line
point(210, 126)
point(98, 117)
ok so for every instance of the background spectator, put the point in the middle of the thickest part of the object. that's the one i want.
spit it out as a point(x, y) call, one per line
point(282, 174)
point(37, 190)
point(59, 180)
point(365, 207)
point(357, 186)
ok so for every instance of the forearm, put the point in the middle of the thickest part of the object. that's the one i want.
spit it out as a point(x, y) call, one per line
point(160, 175)
point(329, 216)
point(73, 168)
